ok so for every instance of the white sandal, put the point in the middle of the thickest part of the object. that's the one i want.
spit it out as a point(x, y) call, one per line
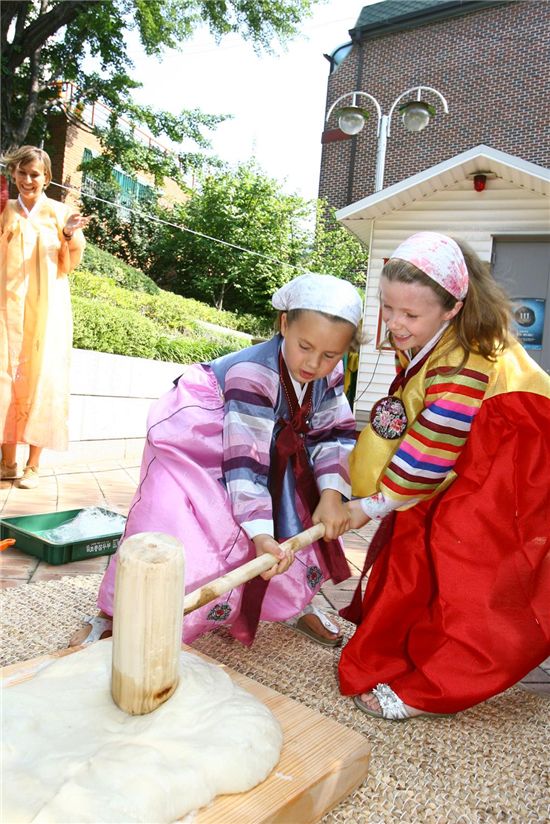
point(298, 625)
point(99, 625)
point(392, 707)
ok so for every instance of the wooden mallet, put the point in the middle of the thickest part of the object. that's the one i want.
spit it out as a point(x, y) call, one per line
point(149, 610)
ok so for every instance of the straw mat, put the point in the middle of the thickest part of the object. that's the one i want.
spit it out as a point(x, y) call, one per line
point(483, 766)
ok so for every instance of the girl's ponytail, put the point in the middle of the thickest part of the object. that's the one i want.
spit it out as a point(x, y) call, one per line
point(483, 324)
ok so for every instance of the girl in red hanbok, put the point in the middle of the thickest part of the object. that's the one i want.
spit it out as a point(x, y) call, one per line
point(454, 463)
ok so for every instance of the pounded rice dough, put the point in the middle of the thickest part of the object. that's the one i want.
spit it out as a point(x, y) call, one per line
point(71, 755)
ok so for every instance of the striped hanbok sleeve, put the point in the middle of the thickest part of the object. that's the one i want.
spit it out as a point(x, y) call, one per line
point(433, 443)
point(250, 396)
point(331, 440)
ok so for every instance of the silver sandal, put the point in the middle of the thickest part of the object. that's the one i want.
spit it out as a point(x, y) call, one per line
point(392, 707)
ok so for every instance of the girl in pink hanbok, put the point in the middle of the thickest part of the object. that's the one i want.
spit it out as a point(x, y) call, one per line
point(245, 452)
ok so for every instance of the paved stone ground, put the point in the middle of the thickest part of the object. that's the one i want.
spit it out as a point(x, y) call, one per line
point(112, 484)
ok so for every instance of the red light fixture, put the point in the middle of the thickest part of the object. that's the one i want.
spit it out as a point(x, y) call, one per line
point(479, 182)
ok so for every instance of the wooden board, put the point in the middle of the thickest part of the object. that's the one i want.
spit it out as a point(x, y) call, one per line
point(321, 763)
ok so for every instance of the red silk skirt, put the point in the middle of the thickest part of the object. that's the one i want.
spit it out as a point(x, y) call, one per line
point(457, 606)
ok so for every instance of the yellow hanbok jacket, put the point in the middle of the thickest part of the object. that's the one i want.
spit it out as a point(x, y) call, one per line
point(35, 324)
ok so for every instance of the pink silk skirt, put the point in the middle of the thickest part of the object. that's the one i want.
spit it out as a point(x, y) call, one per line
point(181, 492)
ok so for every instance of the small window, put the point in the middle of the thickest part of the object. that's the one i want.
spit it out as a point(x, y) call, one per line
point(337, 57)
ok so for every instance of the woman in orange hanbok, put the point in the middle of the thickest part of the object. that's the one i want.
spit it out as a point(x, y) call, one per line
point(41, 241)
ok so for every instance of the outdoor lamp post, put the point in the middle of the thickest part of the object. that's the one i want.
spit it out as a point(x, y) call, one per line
point(415, 114)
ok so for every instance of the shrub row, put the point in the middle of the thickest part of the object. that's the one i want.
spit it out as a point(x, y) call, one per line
point(104, 327)
point(108, 266)
point(172, 310)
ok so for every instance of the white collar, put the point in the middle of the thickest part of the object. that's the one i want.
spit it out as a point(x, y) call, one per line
point(34, 208)
point(427, 347)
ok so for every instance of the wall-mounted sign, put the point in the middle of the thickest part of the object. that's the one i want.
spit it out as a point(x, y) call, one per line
point(528, 321)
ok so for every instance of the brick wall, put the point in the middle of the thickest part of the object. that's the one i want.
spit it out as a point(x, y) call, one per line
point(66, 145)
point(491, 65)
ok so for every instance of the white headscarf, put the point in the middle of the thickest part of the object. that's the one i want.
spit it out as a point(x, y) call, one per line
point(320, 293)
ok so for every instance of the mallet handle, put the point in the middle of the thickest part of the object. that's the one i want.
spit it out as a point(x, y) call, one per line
point(212, 590)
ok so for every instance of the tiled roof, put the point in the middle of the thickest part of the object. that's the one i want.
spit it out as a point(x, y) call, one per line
point(392, 15)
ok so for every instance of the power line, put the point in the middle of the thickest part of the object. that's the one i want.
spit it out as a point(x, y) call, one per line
point(181, 228)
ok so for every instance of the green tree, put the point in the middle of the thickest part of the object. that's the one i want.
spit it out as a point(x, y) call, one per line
point(127, 233)
point(336, 251)
point(46, 42)
point(244, 209)
point(284, 235)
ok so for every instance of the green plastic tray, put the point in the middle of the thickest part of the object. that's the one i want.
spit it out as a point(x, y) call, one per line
point(24, 528)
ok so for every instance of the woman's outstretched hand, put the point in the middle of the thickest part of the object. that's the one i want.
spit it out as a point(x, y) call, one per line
point(332, 512)
point(266, 544)
point(74, 222)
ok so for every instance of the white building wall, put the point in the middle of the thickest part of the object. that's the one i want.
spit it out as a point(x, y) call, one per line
point(475, 217)
point(110, 397)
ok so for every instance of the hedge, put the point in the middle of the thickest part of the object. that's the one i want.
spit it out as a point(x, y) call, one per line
point(169, 312)
point(102, 263)
point(118, 309)
point(168, 307)
point(103, 327)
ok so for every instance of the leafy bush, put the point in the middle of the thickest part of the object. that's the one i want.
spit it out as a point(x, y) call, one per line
point(103, 327)
point(194, 350)
point(175, 312)
point(117, 309)
point(102, 263)
point(171, 312)
point(87, 285)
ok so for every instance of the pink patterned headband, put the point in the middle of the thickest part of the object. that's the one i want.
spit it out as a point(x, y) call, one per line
point(439, 257)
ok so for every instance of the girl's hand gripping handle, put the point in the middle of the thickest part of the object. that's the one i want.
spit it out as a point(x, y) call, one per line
point(263, 563)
